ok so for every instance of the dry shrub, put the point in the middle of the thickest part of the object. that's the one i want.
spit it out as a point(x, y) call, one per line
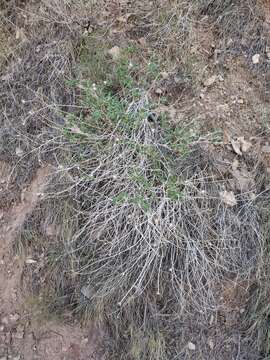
point(152, 242)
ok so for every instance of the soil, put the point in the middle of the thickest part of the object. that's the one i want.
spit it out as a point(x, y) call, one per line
point(22, 337)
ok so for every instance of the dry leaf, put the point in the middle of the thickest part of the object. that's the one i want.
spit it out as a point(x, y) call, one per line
point(256, 59)
point(191, 346)
point(245, 145)
point(164, 75)
point(142, 41)
point(244, 180)
point(236, 145)
point(76, 130)
point(211, 344)
point(226, 136)
point(228, 198)
point(268, 51)
point(210, 81)
point(124, 18)
point(115, 52)
point(235, 164)
point(19, 35)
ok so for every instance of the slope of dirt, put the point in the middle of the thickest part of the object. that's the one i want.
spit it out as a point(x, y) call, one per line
point(22, 337)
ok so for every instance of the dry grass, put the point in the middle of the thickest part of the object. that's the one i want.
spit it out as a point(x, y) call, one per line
point(132, 231)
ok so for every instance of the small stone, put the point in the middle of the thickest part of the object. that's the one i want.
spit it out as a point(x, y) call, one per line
point(191, 346)
point(266, 149)
point(256, 59)
point(202, 95)
point(19, 151)
point(159, 91)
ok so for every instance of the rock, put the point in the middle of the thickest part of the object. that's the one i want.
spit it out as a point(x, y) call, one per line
point(256, 59)
point(158, 91)
point(191, 346)
point(19, 152)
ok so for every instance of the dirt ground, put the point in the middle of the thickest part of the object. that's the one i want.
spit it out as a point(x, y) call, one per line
point(234, 100)
point(21, 336)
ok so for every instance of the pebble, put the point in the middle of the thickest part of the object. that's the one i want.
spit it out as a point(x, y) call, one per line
point(191, 346)
point(256, 59)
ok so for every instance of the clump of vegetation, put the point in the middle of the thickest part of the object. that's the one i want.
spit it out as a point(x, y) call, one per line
point(150, 236)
